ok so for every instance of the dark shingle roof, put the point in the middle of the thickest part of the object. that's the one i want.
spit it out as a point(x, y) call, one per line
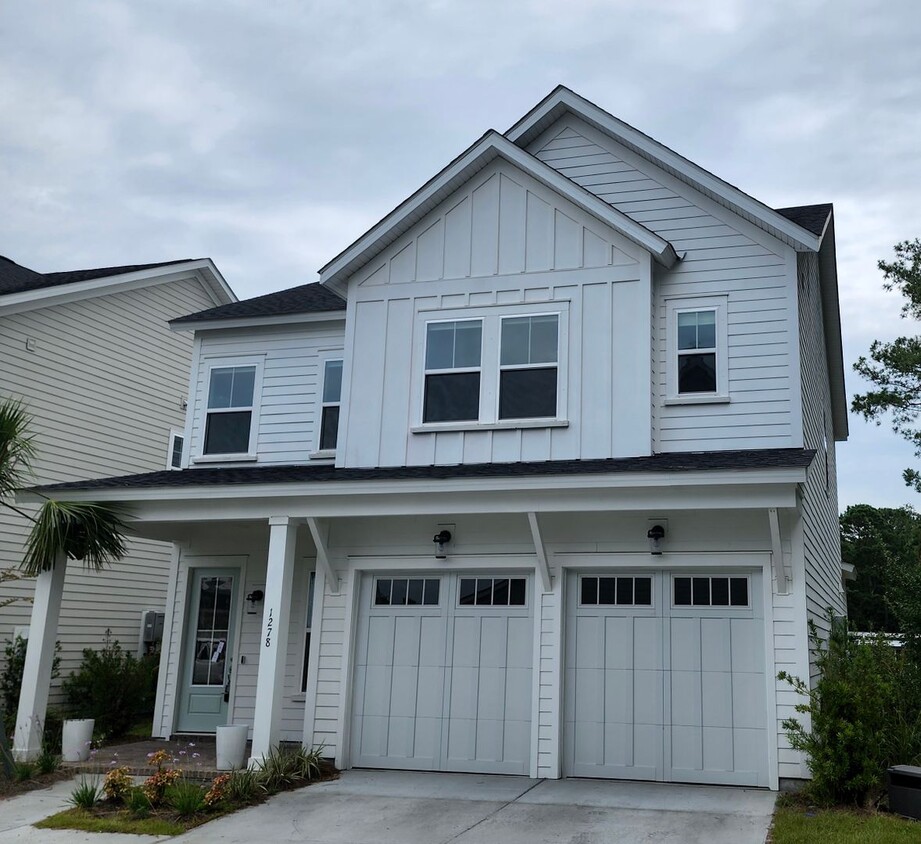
point(778, 458)
point(810, 217)
point(15, 278)
point(305, 299)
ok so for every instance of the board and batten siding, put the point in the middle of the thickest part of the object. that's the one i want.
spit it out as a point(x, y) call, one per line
point(105, 384)
point(501, 244)
point(721, 255)
point(292, 380)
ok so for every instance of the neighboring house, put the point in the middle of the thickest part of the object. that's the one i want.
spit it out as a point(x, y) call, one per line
point(539, 479)
point(91, 356)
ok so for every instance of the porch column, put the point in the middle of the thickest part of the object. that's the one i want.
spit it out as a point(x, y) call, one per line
point(273, 641)
point(36, 675)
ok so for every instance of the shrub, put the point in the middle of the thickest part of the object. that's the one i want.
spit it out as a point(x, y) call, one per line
point(279, 770)
point(244, 787)
point(217, 793)
point(23, 771)
point(185, 798)
point(308, 762)
point(117, 784)
point(85, 796)
point(113, 687)
point(47, 762)
point(156, 784)
point(137, 803)
point(865, 716)
point(14, 653)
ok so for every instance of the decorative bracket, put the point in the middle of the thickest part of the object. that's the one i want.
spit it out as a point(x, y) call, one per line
point(780, 573)
point(543, 568)
point(322, 556)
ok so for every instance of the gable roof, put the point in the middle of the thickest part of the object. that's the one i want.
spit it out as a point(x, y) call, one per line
point(813, 218)
point(562, 100)
point(14, 278)
point(304, 299)
point(489, 147)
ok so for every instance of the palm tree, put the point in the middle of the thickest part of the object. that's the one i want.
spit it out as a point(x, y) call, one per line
point(83, 530)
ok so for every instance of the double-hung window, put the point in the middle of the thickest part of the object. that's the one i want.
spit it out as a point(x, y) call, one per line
point(528, 370)
point(332, 394)
point(229, 421)
point(453, 352)
point(698, 368)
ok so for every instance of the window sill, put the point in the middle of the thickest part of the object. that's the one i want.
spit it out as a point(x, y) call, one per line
point(225, 458)
point(507, 425)
point(696, 400)
point(322, 454)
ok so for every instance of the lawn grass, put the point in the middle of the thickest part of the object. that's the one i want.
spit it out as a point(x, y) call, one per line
point(800, 825)
point(116, 822)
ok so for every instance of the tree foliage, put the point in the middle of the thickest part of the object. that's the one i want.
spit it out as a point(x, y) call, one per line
point(894, 368)
point(884, 545)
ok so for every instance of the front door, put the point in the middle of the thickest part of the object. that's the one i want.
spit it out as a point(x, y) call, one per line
point(204, 691)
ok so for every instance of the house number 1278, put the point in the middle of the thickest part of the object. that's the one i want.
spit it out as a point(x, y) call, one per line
point(268, 628)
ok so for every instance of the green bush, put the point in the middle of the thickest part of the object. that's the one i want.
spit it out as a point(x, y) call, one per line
point(244, 787)
point(186, 798)
point(14, 661)
point(865, 713)
point(112, 686)
point(86, 795)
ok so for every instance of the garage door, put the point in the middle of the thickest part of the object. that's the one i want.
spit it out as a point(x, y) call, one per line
point(443, 673)
point(665, 677)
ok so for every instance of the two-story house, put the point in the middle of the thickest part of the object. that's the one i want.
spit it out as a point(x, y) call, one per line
point(90, 355)
point(539, 479)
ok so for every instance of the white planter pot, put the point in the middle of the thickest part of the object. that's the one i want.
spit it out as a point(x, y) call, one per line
point(77, 740)
point(230, 747)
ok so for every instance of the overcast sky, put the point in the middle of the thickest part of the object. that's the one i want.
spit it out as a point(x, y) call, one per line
point(269, 135)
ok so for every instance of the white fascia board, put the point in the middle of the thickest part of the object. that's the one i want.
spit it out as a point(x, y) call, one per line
point(695, 175)
point(485, 150)
point(254, 322)
point(547, 487)
point(204, 270)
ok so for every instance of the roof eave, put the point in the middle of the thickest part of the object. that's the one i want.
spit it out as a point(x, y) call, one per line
point(491, 146)
point(831, 317)
point(562, 100)
point(257, 321)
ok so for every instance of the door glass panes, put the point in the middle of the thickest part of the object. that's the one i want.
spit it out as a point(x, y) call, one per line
point(492, 592)
point(616, 591)
point(212, 630)
point(711, 591)
point(406, 591)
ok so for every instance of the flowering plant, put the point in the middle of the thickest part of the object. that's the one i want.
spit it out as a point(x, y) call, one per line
point(218, 790)
point(117, 784)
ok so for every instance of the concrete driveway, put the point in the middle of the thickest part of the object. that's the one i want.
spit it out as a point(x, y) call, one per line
point(389, 807)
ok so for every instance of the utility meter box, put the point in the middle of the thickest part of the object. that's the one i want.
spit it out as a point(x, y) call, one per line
point(152, 627)
point(905, 791)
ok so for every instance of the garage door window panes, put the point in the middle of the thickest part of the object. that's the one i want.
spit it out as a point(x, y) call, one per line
point(492, 592)
point(616, 591)
point(711, 592)
point(406, 591)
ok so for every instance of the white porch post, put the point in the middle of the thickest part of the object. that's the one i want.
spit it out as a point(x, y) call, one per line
point(273, 641)
point(36, 675)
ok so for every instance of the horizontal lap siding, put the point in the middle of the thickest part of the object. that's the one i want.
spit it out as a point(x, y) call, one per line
point(548, 686)
point(329, 671)
point(104, 385)
point(821, 533)
point(718, 258)
point(289, 412)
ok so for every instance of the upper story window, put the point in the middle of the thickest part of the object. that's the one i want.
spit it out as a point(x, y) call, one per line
point(528, 367)
point(332, 395)
point(174, 455)
point(453, 352)
point(229, 423)
point(697, 369)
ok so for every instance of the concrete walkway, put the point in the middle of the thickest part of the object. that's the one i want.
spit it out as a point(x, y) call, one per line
point(390, 807)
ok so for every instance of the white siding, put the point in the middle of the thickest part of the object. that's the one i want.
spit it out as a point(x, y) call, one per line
point(721, 254)
point(329, 670)
point(525, 245)
point(548, 695)
point(104, 384)
point(292, 379)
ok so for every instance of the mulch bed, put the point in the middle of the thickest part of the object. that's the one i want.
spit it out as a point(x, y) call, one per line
point(8, 788)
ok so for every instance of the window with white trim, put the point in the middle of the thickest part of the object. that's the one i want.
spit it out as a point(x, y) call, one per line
point(453, 353)
point(329, 414)
point(230, 409)
point(698, 369)
point(528, 371)
point(174, 452)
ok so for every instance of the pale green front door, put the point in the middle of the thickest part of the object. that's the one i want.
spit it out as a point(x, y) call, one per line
point(207, 663)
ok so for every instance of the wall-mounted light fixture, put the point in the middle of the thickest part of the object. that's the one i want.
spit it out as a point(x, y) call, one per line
point(441, 539)
point(257, 596)
point(655, 534)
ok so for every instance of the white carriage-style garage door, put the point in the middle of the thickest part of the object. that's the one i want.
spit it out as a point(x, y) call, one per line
point(442, 676)
point(665, 678)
